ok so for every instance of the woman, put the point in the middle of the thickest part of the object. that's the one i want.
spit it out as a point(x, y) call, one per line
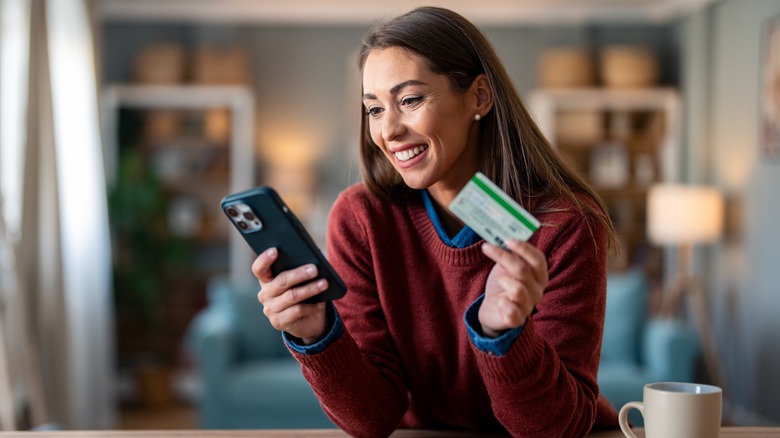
point(439, 329)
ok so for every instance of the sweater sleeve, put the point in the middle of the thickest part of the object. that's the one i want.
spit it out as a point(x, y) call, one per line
point(360, 386)
point(546, 384)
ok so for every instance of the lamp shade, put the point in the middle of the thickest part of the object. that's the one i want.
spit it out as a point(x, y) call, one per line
point(684, 214)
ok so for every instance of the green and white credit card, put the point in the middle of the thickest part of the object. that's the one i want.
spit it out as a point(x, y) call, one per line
point(491, 213)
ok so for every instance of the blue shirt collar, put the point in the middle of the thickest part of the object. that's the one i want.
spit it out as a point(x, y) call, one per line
point(465, 237)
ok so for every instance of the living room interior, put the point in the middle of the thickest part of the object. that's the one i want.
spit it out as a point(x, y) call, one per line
point(126, 300)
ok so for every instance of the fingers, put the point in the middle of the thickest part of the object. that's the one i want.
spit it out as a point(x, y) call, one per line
point(515, 285)
point(288, 298)
point(531, 255)
point(500, 312)
point(508, 313)
point(526, 306)
point(521, 259)
point(282, 297)
point(261, 267)
point(288, 290)
point(285, 282)
point(290, 316)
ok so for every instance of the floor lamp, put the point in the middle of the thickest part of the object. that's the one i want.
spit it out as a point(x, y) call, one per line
point(683, 216)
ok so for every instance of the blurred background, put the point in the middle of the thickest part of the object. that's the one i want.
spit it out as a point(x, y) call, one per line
point(126, 300)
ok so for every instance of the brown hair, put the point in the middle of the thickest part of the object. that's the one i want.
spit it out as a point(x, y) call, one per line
point(513, 152)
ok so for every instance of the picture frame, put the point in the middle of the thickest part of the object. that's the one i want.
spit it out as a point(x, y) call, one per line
point(770, 90)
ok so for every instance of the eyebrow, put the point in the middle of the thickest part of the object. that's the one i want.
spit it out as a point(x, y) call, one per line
point(395, 88)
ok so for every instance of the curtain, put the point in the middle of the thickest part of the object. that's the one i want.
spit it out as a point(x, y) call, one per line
point(62, 218)
point(83, 210)
point(14, 72)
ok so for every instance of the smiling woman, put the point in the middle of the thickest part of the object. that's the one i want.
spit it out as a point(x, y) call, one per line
point(439, 329)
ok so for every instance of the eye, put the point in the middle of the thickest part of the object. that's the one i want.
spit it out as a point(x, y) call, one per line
point(374, 111)
point(411, 101)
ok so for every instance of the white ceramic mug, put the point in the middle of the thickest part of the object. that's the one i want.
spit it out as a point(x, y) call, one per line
point(676, 410)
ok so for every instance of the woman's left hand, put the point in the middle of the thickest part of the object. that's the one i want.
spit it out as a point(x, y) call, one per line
point(514, 286)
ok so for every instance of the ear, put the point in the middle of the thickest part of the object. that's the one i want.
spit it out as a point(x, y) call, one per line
point(483, 93)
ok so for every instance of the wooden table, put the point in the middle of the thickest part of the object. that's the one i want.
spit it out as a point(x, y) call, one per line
point(726, 432)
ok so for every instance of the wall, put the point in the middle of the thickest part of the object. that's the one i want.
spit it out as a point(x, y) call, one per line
point(722, 74)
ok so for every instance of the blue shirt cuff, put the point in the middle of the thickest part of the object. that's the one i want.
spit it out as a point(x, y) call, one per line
point(335, 332)
point(498, 346)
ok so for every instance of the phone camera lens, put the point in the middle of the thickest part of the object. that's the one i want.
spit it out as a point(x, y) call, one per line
point(242, 225)
point(232, 212)
point(249, 216)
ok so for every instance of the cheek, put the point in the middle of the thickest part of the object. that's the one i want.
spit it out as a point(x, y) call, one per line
point(438, 127)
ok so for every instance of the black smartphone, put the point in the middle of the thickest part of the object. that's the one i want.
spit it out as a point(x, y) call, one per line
point(265, 221)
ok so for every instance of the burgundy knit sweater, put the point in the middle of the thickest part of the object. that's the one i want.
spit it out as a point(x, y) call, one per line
point(405, 359)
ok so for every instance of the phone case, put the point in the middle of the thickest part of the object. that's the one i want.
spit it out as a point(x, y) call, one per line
point(265, 221)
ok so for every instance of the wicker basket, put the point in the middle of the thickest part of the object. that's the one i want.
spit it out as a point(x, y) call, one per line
point(212, 65)
point(565, 67)
point(628, 66)
point(160, 63)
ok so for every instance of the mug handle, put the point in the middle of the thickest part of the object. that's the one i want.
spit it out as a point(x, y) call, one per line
point(623, 417)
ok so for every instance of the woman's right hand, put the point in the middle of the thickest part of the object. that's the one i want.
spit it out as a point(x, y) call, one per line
point(281, 298)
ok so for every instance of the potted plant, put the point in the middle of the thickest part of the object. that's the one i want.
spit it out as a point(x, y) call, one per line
point(146, 256)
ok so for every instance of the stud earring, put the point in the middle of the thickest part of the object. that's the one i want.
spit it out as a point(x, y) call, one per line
point(477, 117)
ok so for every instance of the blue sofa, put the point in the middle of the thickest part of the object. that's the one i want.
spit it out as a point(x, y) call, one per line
point(250, 380)
point(639, 349)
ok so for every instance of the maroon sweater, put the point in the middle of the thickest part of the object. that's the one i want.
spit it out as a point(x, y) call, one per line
point(406, 360)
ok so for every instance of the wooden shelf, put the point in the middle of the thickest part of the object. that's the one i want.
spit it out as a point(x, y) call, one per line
point(632, 135)
point(191, 173)
point(239, 100)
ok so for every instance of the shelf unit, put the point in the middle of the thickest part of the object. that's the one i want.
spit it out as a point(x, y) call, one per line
point(192, 171)
point(622, 140)
point(240, 103)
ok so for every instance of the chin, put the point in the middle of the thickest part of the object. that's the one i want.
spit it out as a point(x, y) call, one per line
point(418, 186)
point(417, 178)
point(415, 186)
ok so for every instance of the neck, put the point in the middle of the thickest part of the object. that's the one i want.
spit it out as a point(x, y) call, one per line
point(452, 225)
point(445, 190)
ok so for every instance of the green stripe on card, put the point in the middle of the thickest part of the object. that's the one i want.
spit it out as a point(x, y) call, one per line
point(509, 207)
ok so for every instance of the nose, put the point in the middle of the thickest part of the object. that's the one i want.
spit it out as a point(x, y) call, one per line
point(392, 125)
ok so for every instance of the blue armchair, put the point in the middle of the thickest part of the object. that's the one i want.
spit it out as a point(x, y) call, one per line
point(249, 379)
point(639, 349)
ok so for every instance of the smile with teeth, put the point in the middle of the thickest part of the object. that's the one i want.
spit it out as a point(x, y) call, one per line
point(408, 154)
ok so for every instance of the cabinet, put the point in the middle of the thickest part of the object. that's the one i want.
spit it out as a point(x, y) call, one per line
point(190, 145)
point(622, 141)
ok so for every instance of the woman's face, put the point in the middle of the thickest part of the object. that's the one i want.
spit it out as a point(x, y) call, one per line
point(420, 122)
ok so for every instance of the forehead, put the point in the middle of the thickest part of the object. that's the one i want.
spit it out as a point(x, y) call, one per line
point(387, 67)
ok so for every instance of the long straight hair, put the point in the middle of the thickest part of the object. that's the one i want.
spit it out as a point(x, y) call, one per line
point(513, 152)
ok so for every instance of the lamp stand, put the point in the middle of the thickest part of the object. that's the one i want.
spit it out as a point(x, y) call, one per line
point(685, 286)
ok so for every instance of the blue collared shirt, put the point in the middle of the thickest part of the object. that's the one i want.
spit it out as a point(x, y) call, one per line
point(498, 346)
